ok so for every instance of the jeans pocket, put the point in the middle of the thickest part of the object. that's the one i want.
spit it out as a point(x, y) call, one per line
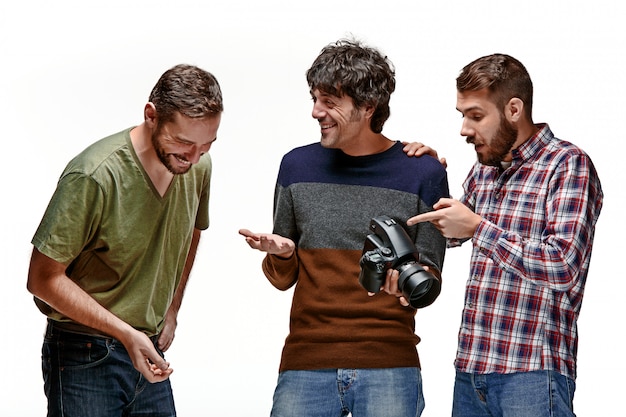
point(82, 352)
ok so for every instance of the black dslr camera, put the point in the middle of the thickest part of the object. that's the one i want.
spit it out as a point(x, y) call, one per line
point(389, 246)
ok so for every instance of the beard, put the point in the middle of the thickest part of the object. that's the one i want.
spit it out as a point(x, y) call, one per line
point(164, 157)
point(501, 144)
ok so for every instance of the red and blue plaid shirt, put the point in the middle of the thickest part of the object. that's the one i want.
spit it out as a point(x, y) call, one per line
point(530, 258)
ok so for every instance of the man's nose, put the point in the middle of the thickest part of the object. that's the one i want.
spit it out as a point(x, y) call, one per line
point(318, 111)
point(466, 129)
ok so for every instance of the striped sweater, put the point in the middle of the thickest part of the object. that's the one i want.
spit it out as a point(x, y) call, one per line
point(324, 201)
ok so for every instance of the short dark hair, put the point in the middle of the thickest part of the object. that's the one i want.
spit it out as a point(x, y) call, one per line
point(360, 72)
point(188, 90)
point(503, 75)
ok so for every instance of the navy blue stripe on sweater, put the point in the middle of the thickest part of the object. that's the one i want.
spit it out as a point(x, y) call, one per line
point(425, 176)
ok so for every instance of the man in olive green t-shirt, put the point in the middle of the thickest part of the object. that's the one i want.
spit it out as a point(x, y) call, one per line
point(114, 250)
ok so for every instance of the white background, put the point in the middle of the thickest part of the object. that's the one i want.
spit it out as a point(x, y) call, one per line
point(73, 72)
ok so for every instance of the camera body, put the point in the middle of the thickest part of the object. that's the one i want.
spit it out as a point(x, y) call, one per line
point(389, 246)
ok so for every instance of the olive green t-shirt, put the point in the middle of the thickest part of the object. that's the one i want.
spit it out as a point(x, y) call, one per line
point(123, 243)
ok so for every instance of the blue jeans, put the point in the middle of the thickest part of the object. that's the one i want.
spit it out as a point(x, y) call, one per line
point(390, 392)
point(87, 375)
point(522, 394)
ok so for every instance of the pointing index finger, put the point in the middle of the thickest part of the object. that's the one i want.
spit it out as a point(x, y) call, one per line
point(424, 217)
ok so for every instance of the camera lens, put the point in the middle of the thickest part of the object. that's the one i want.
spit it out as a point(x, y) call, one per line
point(418, 286)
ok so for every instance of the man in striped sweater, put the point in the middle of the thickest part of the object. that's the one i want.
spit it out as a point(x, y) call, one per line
point(348, 351)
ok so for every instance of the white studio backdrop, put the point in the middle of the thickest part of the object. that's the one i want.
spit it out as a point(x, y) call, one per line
point(73, 72)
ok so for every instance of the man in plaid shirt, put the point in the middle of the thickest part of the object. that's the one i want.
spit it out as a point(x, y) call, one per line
point(530, 207)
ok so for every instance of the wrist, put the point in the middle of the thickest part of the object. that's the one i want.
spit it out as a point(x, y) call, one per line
point(286, 255)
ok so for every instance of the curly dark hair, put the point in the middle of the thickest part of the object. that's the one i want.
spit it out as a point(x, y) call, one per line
point(503, 75)
point(360, 72)
point(188, 90)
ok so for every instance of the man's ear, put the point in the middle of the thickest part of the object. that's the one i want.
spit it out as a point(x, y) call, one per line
point(369, 111)
point(514, 110)
point(150, 115)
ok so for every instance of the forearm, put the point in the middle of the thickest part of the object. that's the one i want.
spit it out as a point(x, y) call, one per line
point(554, 262)
point(182, 284)
point(47, 281)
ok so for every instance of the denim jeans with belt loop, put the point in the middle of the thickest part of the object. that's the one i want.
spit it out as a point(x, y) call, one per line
point(93, 375)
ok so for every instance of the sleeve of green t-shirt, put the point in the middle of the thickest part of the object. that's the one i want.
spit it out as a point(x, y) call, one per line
point(71, 219)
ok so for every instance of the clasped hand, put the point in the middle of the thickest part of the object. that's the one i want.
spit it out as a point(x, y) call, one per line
point(145, 357)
